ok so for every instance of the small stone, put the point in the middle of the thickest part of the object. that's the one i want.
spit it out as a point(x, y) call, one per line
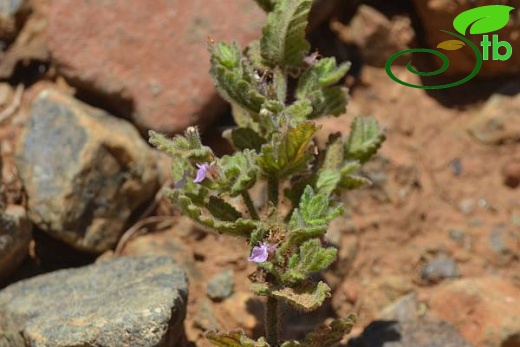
point(406, 308)
point(467, 206)
point(511, 173)
point(139, 302)
point(84, 171)
point(422, 333)
point(221, 285)
point(15, 236)
point(205, 318)
point(439, 268)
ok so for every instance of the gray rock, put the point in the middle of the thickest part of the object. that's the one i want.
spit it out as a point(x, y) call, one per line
point(439, 268)
point(84, 171)
point(134, 302)
point(422, 333)
point(15, 235)
point(221, 285)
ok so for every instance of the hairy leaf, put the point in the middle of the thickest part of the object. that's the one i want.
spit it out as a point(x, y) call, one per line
point(187, 147)
point(266, 5)
point(364, 140)
point(234, 339)
point(335, 152)
point(317, 209)
point(222, 210)
point(312, 257)
point(307, 297)
point(283, 41)
point(234, 77)
point(237, 172)
point(328, 181)
point(325, 335)
point(299, 111)
point(288, 152)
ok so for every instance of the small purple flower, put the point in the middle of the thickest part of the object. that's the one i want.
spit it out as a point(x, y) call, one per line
point(261, 253)
point(203, 171)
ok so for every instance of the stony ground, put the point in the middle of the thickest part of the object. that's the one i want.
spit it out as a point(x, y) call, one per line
point(437, 235)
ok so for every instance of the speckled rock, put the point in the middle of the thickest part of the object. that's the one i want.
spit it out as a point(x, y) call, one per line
point(221, 285)
point(138, 302)
point(485, 310)
point(15, 235)
point(84, 171)
point(148, 59)
point(422, 333)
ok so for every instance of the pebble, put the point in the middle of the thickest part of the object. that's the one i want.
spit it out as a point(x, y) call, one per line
point(439, 268)
point(221, 285)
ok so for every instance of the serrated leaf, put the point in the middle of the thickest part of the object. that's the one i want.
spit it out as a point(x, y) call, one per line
point(335, 152)
point(364, 140)
point(325, 335)
point(299, 111)
point(234, 339)
point(316, 209)
point(222, 210)
point(451, 45)
point(234, 77)
point(187, 146)
point(288, 152)
point(307, 297)
point(483, 19)
point(311, 257)
point(328, 181)
point(236, 173)
point(283, 40)
point(353, 182)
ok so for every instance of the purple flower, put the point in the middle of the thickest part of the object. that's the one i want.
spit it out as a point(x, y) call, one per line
point(261, 253)
point(202, 172)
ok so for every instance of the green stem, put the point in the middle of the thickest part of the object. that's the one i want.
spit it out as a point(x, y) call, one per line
point(271, 322)
point(273, 187)
point(250, 206)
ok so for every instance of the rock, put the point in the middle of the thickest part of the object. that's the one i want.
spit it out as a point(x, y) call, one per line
point(151, 62)
point(405, 309)
point(511, 173)
point(439, 268)
point(485, 310)
point(422, 333)
point(15, 235)
point(84, 171)
point(497, 122)
point(437, 15)
point(501, 244)
point(221, 285)
point(377, 36)
point(205, 318)
point(125, 302)
point(8, 11)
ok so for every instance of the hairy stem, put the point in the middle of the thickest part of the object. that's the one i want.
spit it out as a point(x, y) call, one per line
point(271, 322)
point(273, 187)
point(250, 206)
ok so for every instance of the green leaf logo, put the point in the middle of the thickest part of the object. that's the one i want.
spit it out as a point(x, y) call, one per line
point(483, 20)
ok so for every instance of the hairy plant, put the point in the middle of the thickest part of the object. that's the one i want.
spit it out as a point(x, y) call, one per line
point(276, 87)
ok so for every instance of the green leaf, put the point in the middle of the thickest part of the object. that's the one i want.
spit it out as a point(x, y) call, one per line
point(244, 138)
point(222, 210)
point(234, 339)
point(335, 152)
point(288, 152)
point(328, 181)
point(317, 85)
point(283, 41)
point(312, 257)
point(483, 19)
point(307, 297)
point(451, 45)
point(188, 147)
point(237, 173)
point(364, 140)
point(325, 335)
point(234, 77)
point(299, 111)
point(316, 209)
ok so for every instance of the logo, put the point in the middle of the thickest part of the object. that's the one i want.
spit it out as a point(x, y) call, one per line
point(480, 21)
